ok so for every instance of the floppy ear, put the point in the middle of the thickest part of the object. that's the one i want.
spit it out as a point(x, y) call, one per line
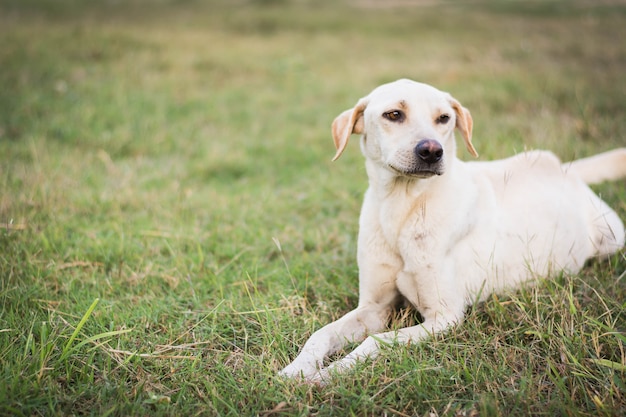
point(347, 123)
point(464, 123)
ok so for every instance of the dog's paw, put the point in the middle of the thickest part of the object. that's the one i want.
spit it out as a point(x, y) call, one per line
point(290, 372)
point(318, 377)
point(293, 371)
point(304, 371)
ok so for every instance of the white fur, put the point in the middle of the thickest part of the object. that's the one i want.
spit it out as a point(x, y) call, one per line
point(443, 241)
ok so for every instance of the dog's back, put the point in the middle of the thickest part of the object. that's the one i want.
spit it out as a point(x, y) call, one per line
point(569, 222)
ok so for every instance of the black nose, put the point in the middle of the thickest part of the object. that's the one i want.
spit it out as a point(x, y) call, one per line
point(429, 151)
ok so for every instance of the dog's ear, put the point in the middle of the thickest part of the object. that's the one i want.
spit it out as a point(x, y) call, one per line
point(464, 123)
point(347, 123)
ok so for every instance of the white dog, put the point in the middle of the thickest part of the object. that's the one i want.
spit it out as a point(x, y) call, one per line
point(442, 233)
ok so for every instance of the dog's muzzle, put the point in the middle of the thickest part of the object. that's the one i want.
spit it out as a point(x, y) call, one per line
point(426, 161)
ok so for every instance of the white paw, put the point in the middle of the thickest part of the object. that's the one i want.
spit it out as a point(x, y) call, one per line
point(297, 371)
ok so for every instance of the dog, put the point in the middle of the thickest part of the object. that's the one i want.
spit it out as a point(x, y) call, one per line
point(442, 233)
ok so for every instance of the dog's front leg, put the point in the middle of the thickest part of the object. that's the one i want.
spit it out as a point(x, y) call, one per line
point(437, 297)
point(378, 267)
point(377, 294)
point(352, 327)
point(371, 346)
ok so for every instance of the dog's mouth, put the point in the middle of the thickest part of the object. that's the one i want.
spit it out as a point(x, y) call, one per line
point(417, 172)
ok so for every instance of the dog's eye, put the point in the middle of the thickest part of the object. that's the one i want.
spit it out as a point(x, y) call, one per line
point(443, 119)
point(394, 115)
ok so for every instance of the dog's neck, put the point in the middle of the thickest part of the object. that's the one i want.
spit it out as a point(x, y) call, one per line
point(384, 182)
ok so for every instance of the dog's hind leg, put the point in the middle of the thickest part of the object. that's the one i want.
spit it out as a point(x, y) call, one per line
point(607, 230)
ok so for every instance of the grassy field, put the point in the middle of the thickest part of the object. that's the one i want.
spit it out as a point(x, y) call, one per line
point(172, 229)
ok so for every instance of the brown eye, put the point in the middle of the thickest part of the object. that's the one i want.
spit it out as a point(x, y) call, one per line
point(443, 119)
point(394, 116)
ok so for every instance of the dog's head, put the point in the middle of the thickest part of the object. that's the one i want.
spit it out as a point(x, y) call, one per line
point(407, 127)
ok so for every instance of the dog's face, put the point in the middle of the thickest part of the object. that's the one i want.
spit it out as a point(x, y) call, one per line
point(407, 127)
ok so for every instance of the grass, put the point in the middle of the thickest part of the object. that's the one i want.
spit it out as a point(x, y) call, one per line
point(172, 229)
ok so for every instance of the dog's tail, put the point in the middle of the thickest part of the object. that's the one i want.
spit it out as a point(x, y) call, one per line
point(607, 166)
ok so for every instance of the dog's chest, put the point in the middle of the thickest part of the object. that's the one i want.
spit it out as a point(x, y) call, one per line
point(406, 225)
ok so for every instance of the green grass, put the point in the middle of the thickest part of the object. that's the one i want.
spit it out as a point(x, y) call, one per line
point(172, 229)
